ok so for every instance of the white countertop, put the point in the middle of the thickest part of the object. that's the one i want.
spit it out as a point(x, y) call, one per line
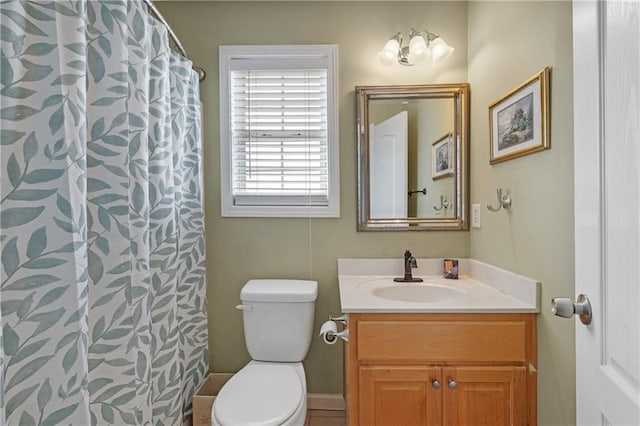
point(481, 288)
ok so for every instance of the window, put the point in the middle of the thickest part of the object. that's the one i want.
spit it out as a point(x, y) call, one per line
point(278, 131)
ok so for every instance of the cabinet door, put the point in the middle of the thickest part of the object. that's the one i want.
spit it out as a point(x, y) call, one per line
point(484, 396)
point(402, 396)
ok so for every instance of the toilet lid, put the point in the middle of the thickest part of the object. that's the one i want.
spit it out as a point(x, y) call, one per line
point(259, 394)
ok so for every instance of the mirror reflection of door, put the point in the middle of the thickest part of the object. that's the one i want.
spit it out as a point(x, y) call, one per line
point(388, 167)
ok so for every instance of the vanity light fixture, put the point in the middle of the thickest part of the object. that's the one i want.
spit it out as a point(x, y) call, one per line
point(422, 46)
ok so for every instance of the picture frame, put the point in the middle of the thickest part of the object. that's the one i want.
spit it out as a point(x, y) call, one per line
point(519, 121)
point(442, 157)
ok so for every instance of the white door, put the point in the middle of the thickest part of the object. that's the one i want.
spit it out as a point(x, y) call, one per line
point(388, 167)
point(607, 220)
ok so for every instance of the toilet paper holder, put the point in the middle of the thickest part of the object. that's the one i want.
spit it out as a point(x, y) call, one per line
point(344, 335)
point(330, 337)
point(329, 332)
point(341, 319)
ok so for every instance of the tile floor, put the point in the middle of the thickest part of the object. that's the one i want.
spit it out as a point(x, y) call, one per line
point(326, 418)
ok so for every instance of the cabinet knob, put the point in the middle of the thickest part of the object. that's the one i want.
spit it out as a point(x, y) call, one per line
point(452, 384)
point(435, 383)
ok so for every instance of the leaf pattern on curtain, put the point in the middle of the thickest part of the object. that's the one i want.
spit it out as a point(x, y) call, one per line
point(102, 288)
point(191, 290)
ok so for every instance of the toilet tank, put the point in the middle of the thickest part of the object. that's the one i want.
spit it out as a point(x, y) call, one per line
point(278, 318)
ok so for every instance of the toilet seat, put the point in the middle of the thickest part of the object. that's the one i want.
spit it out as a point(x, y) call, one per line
point(262, 393)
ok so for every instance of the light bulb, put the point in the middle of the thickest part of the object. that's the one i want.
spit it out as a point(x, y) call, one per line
point(440, 51)
point(389, 54)
point(418, 50)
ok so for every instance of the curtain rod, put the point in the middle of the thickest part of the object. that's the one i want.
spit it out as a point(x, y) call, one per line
point(201, 72)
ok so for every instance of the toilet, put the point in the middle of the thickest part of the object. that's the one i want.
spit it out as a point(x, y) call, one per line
point(271, 390)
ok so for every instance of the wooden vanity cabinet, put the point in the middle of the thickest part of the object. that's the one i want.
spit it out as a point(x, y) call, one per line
point(392, 395)
point(441, 369)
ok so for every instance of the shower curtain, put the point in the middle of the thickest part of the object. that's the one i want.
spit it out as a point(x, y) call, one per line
point(103, 309)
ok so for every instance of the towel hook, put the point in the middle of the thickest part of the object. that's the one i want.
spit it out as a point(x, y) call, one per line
point(444, 203)
point(503, 201)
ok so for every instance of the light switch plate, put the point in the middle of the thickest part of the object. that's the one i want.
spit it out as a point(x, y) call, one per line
point(475, 216)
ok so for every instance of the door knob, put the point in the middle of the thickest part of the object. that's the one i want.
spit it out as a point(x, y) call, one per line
point(452, 384)
point(435, 383)
point(565, 308)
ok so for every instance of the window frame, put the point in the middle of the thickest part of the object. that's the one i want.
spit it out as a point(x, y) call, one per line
point(230, 55)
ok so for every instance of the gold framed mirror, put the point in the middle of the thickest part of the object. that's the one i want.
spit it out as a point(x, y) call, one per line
point(413, 165)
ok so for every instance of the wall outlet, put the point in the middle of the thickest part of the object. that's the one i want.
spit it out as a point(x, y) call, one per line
point(475, 216)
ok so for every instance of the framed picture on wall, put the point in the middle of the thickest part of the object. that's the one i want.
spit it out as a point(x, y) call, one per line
point(519, 121)
point(442, 157)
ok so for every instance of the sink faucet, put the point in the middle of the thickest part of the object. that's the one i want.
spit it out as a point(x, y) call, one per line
point(409, 263)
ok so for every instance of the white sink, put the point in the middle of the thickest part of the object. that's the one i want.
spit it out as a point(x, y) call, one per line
point(366, 285)
point(417, 293)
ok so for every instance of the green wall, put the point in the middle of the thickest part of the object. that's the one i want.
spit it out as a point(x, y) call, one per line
point(498, 45)
point(239, 249)
point(508, 43)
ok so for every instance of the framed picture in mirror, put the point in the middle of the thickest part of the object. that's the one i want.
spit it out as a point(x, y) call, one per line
point(519, 121)
point(442, 157)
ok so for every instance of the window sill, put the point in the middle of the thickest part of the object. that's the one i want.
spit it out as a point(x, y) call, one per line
point(281, 211)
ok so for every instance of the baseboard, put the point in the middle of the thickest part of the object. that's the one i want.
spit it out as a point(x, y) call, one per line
point(325, 401)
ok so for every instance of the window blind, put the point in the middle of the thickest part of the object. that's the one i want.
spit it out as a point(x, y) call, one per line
point(279, 137)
